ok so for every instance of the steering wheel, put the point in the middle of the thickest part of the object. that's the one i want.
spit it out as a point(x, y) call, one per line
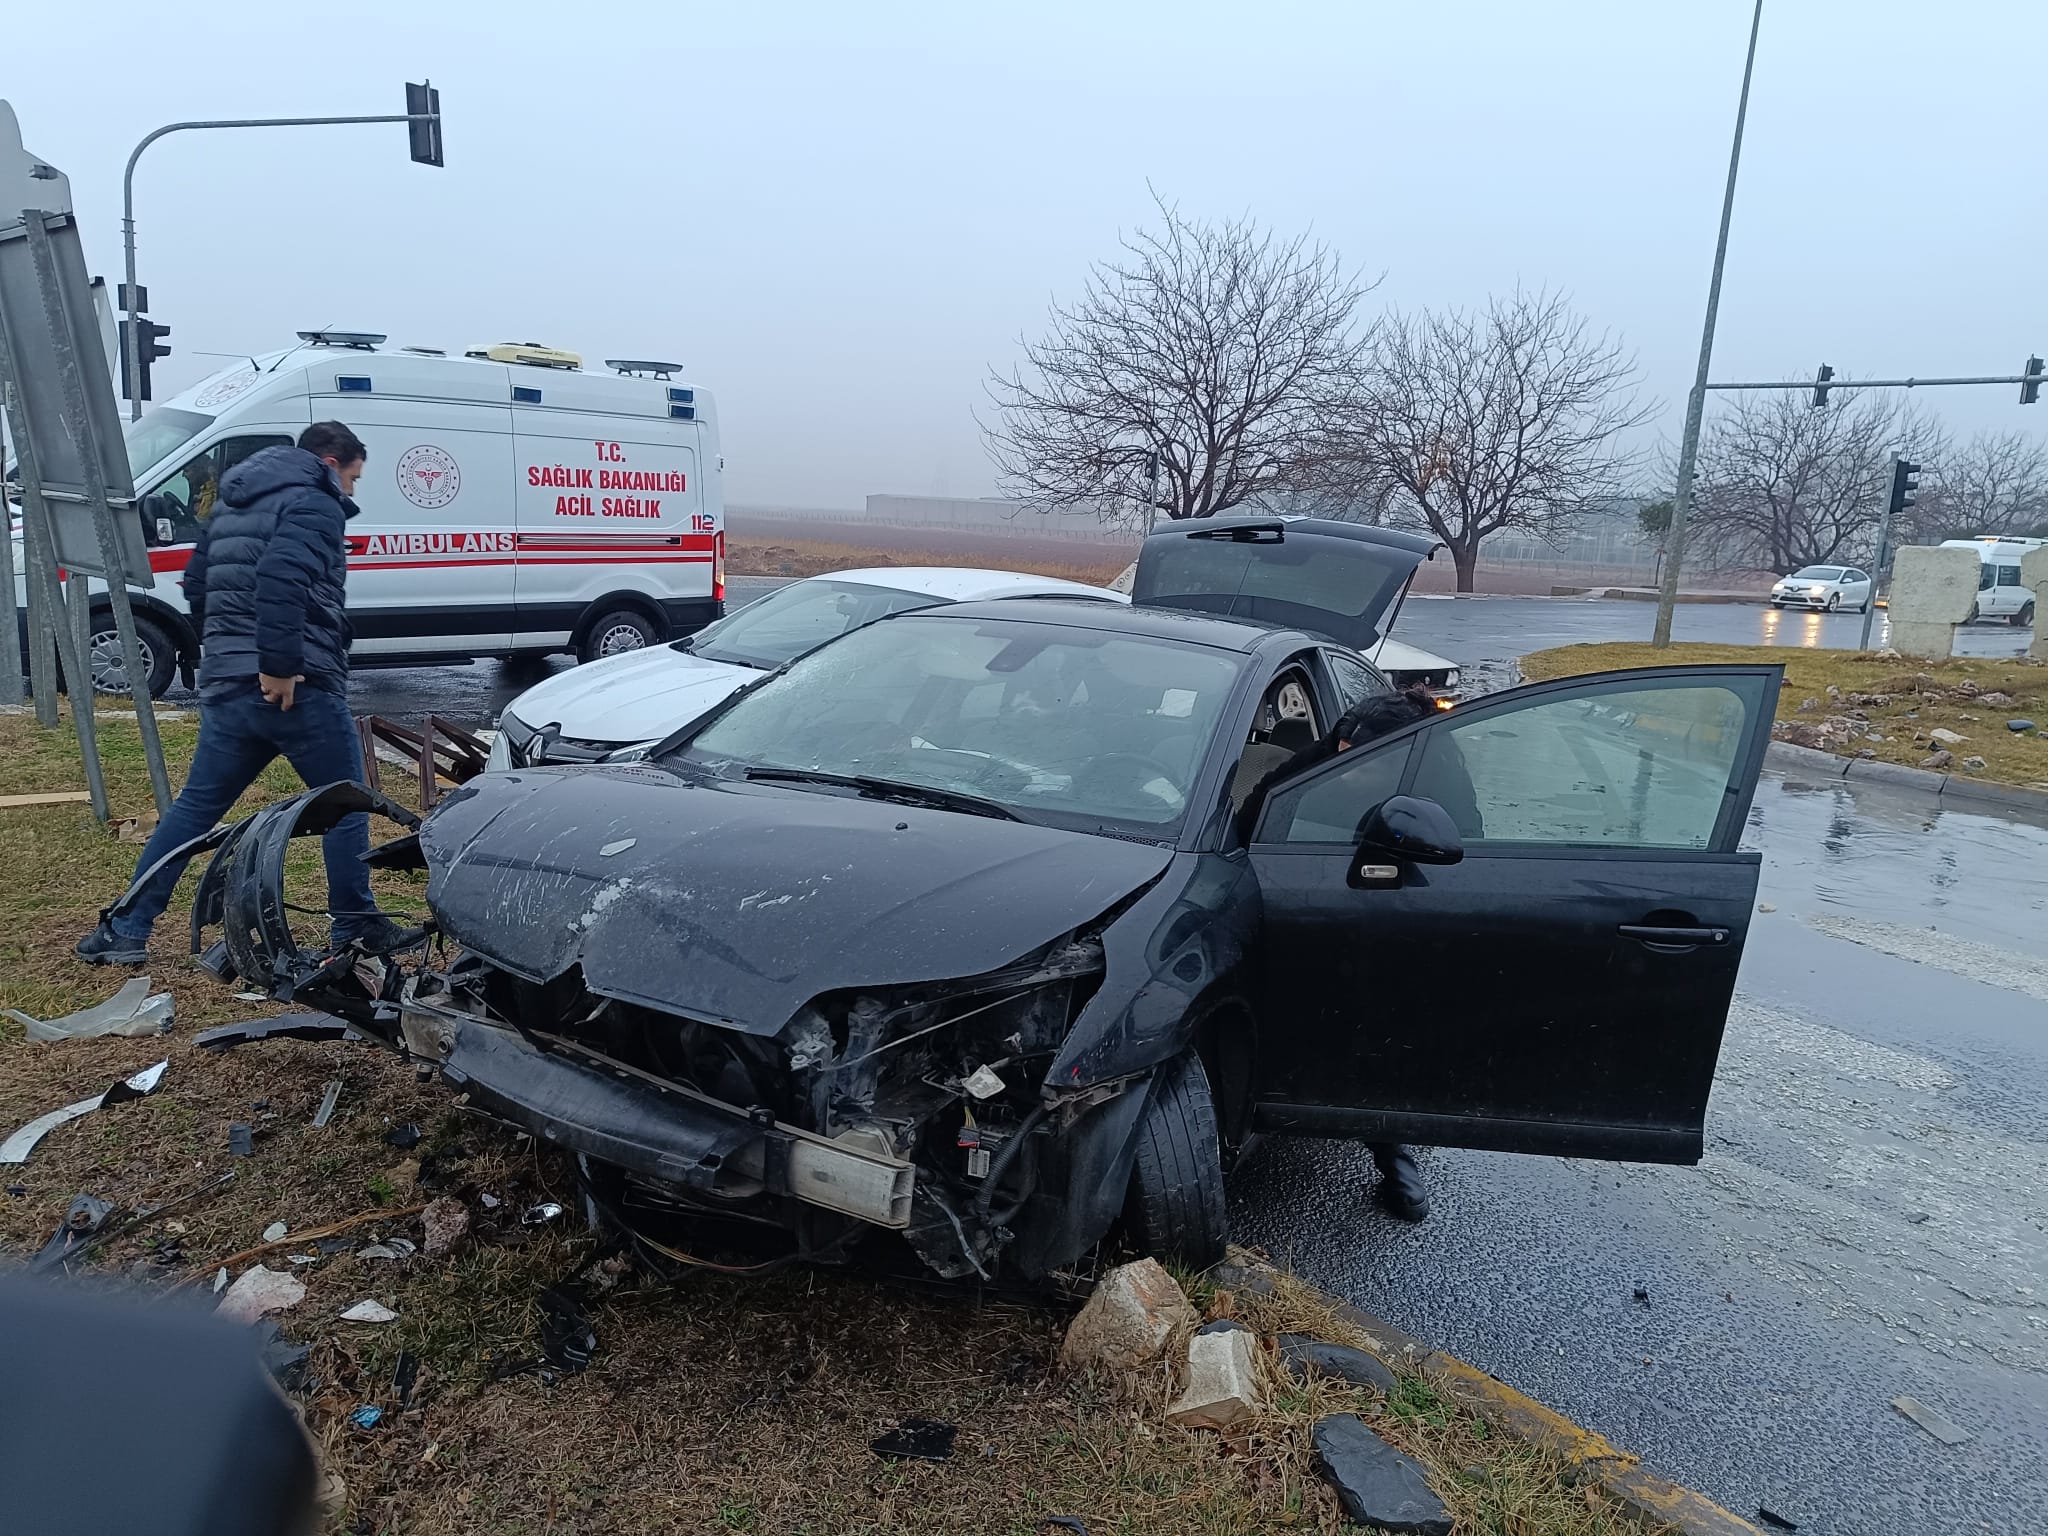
point(1137, 773)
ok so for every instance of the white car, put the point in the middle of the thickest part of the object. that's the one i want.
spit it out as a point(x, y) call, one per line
point(1826, 587)
point(587, 712)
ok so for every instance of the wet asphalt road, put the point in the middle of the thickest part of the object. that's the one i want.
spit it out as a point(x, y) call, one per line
point(1870, 1219)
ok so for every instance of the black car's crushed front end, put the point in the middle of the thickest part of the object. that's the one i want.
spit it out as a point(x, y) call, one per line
point(722, 1043)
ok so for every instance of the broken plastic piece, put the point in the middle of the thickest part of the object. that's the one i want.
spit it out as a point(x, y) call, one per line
point(83, 1220)
point(983, 1083)
point(366, 1417)
point(376, 1251)
point(566, 1337)
point(284, 1026)
point(540, 1215)
point(284, 1359)
point(1063, 1523)
point(618, 847)
point(369, 1311)
point(919, 1440)
point(275, 1231)
point(258, 1292)
point(241, 1139)
point(404, 1376)
point(131, 1011)
point(404, 1137)
point(328, 1100)
point(16, 1148)
point(1935, 1423)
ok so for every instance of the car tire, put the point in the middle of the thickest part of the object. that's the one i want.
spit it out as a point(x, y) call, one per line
point(1834, 602)
point(2024, 617)
point(109, 669)
point(615, 632)
point(1174, 1209)
point(1778, 605)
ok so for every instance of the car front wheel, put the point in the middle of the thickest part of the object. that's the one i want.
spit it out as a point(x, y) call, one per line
point(1174, 1209)
point(616, 632)
point(2024, 617)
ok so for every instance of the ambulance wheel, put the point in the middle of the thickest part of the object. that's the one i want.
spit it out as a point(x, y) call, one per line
point(615, 632)
point(110, 667)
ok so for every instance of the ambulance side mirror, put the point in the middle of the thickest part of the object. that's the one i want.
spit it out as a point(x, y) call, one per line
point(165, 530)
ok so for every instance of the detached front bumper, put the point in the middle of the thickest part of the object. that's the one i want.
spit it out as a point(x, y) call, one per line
point(690, 1143)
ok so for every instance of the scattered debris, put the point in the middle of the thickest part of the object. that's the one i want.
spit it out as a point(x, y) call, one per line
point(918, 1440)
point(247, 997)
point(53, 797)
point(377, 1251)
point(540, 1215)
point(274, 1231)
point(1377, 1485)
point(314, 1234)
point(1642, 1296)
point(404, 1137)
point(83, 1219)
point(303, 1258)
point(16, 1148)
point(1223, 1388)
point(618, 847)
point(445, 1220)
point(1767, 906)
point(405, 1376)
point(285, 1360)
point(566, 1337)
point(131, 1011)
point(1941, 759)
point(1973, 764)
point(241, 1139)
point(135, 829)
point(1127, 1321)
point(1771, 1517)
point(1947, 737)
point(490, 1201)
point(220, 1280)
point(285, 1026)
point(258, 1292)
point(1304, 1356)
point(366, 1417)
point(328, 1100)
point(1936, 1424)
point(1063, 1523)
point(369, 1311)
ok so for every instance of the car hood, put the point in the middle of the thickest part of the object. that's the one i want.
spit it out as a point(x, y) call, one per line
point(737, 904)
point(1391, 655)
point(640, 696)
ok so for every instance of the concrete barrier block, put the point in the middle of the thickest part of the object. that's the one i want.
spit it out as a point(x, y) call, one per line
point(1933, 590)
point(2034, 577)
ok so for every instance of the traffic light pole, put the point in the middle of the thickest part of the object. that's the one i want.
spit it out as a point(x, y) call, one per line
point(132, 322)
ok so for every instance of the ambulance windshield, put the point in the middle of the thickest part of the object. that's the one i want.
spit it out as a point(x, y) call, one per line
point(160, 434)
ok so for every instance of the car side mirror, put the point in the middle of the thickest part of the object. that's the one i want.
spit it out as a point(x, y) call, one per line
point(165, 530)
point(1411, 828)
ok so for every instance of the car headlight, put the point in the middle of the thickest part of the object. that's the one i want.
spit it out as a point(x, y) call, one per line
point(637, 753)
point(1817, 591)
point(508, 749)
point(499, 758)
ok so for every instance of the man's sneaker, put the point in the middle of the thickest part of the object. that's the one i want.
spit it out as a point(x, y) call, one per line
point(103, 946)
point(377, 937)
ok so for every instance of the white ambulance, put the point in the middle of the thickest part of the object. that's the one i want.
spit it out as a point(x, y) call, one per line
point(513, 503)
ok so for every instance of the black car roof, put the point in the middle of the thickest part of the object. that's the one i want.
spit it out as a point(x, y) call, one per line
point(1081, 613)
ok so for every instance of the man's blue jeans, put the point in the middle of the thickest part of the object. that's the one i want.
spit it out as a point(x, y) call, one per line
point(239, 736)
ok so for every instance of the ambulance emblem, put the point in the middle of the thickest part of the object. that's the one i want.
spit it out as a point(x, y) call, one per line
point(428, 476)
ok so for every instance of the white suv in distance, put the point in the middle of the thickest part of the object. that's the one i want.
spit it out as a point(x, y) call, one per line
point(1826, 587)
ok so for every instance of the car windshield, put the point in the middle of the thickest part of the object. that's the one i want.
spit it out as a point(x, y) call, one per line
point(799, 617)
point(1818, 573)
point(1072, 726)
point(160, 434)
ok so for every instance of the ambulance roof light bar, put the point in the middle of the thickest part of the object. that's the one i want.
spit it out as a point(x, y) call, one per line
point(637, 368)
point(360, 341)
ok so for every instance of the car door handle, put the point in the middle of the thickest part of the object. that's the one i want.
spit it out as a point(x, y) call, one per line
point(1646, 933)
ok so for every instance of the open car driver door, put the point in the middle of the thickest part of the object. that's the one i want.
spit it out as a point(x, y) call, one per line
point(1535, 949)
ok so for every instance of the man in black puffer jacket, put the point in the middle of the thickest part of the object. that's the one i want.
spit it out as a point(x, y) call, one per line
point(265, 586)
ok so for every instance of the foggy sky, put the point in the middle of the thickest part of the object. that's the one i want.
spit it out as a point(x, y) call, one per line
point(839, 216)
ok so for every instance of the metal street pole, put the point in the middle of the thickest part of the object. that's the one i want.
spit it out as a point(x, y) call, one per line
point(1695, 406)
point(132, 324)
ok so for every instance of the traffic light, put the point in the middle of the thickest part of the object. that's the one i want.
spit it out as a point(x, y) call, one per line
point(1820, 385)
point(135, 385)
point(423, 107)
point(1905, 481)
point(2030, 386)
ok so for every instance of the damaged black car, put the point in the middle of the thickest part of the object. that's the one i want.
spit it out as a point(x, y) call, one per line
point(997, 929)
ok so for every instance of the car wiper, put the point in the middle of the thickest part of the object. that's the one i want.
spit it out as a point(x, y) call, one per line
point(890, 789)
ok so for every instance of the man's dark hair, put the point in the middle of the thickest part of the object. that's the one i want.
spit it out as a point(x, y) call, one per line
point(331, 440)
point(1380, 713)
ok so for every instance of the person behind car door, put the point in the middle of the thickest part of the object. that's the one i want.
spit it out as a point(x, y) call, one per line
point(266, 590)
point(1401, 1188)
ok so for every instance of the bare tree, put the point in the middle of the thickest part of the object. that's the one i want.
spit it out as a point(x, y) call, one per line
point(1994, 483)
point(1506, 418)
point(1781, 485)
point(1219, 348)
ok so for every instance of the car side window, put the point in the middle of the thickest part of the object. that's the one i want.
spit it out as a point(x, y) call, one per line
point(1854, 576)
point(1354, 679)
point(1985, 577)
point(1644, 766)
point(2008, 575)
point(1331, 807)
point(187, 498)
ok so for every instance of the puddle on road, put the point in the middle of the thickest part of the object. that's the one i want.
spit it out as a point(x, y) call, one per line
point(1880, 859)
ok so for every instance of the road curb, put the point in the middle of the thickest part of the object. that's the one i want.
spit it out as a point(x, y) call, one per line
point(1965, 793)
point(1648, 1498)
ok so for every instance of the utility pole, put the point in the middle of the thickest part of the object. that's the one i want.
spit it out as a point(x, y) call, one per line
point(1696, 403)
point(422, 117)
point(1905, 482)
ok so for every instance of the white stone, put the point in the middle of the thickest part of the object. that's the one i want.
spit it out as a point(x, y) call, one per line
point(260, 1291)
point(1947, 738)
point(1223, 1386)
point(1126, 1323)
point(369, 1312)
